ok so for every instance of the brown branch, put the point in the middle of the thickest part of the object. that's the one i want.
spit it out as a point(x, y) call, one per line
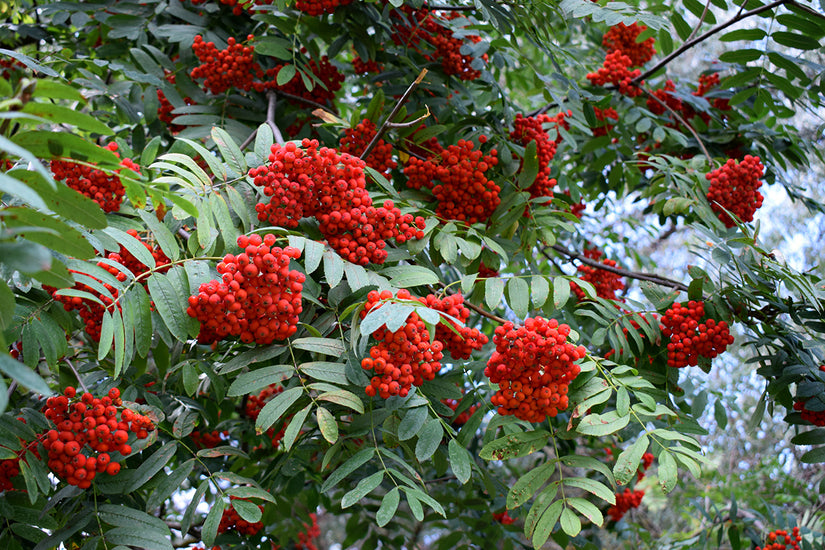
point(382, 130)
point(77, 375)
point(270, 117)
point(650, 277)
point(679, 118)
point(690, 43)
point(301, 99)
point(449, 8)
point(806, 9)
point(478, 309)
point(701, 20)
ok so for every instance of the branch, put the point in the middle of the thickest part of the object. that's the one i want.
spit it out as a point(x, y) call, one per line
point(679, 118)
point(478, 309)
point(701, 20)
point(270, 117)
point(383, 129)
point(806, 9)
point(77, 375)
point(690, 43)
point(657, 279)
point(449, 8)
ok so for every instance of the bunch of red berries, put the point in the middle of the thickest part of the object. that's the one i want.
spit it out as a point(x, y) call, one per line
point(734, 186)
point(319, 7)
point(165, 111)
point(231, 520)
point(258, 297)
point(127, 260)
point(624, 502)
point(533, 365)
point(623, 38)
point(616, 71)
point(332, 188)
point(461, 340)
point(817, 418)
point(456, 178)
point(603, 115)
point(327, 77)
point(359, 66)
point(647, 461)
point(606, 282)
point(105, 189)
point(578, 208)
point(690, 338)
point(503, 518)
point(782, 540)
point(306, 539)
point(666, 99)
point(403, 358)
point(464, 416)
point(527, 129)
point(254, 405)
point(356, 139)
point(87, 430)
point(10, 467)
point(207, 440)
point(706, 82)
point(221, 70)
point(486, 272)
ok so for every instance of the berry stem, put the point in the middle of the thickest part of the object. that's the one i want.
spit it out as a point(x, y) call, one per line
point(383, 129)
point(679, 118)
point(77, 375)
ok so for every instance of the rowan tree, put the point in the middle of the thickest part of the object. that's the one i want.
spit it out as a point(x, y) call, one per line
point(336, 274)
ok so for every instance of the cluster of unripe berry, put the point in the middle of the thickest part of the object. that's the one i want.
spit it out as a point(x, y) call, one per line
point(616, 71)
point(624, 502)
point(221, 70)
point(605, 282)
point(782, 540)
point(690, 337)
point(734, 186)
point(457, 180)
point(105, 189)
point(332, 188)
point(355, 142)
point(258, 298)
point(255, 403)
point(231, 520)
point(88, 432)
point(403, 358)
point(527, 129)
point(623, 38)
point(413, 26)
point(817, 418)
point(533, 366)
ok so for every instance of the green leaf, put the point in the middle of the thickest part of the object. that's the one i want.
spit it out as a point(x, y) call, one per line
point(333, 268)
point(250, 492)
point(275, 409)
point(540, 290)
point(123, 516)
point(814, 456)
point(23, 375)
point(212, 521)
point(58, 235)
point(388, 506)
point(528, 484)
point(326, 371)
point(602, 424)
point(258, 379)
point(135, 247)
point(170, 305)
point(294, 427)
point(493, 290)
point(743, 34)
point(561, 291)
point(592, 486)
point(587, 509)
point(515, 445)
point(353, 463)
point(139, 538)
point(62, 200)
point(545, 524)
point(570, 522)
point(230, 151)
point(412, 422)
point(59, 114)
point(221, 450)
point(627, 464)
point(313, 252)
point(247, 510)
point(285, 74)
point(741, 56)
point(460, 461)
point(530, 167)
point(326, 346)
point(152, 465)
point(429, 438)
point(364, 487)
point(166, 241)
point(518, 295)
point(344, 398)
point(408, 276)
point(796, 41)
point(667, 471)
point(170, 484)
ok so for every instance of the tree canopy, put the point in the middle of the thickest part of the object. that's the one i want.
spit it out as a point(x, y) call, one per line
point(403, 274)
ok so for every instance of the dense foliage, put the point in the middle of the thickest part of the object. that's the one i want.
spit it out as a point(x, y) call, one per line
point(288, 274)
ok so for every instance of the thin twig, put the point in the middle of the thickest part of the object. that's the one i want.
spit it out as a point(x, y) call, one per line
point(657, 279)
point(806, 9)
point(12, 387)
point(681, 120)
point(382, 130)
point(449, 8)
point(270, 117)
point(302, 100)
point(77, 375)
point(250, 139)
point(484, 313)
point(690, 43)
point(701, 20)
point(184, 233)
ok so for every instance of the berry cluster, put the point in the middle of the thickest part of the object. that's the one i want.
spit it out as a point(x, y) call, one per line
point(319, 7)
point(258, 297)
point(413, 26)
point(332, 188)
point(616, 71)
point(88, 431)
point(225, 69)
point(306, 539)
point(666, 99)
point(503, 518)
point(326, 76)
point(464, 416)
point(105, 189)
point(254, 405)
point(165, 111)
point(356, 139)
point(734, 186)
point(486, 272)
point(533, 365)
point(359, 66)
point(460, 341)
point(578, 208)
point(456, 178)
point(127, 260)
point(527, 129)
point(623, 38)
point(782, 540)
point(689, 337)
point(817, 418)
point(647, 461)
point(603, 115)
point(403, 358)
point(624, 502)
point(207, 440)
point(606, 282)
point(10, 468)
point(231, 520)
